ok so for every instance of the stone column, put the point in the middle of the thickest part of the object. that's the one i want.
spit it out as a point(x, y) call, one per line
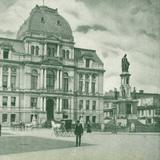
point(45, 49)
point(60, 79)
point(9, 102)
point(57, 104)
point(83, 87)
point(45, 77)
point(9, 78)
point(60, 105)
point(90, 83)
point(57, 80)
point(41, 78)
point(1, 77)
point(57, 50)
point(44, 104)
point(41, 103)
point(96, 84)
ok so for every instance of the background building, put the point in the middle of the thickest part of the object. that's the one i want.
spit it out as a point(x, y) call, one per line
point(43, 76)
point(125, 108)
point(148, 107)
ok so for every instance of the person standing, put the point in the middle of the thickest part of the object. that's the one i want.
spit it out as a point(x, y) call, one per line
point(88, 126)
point(78, 132)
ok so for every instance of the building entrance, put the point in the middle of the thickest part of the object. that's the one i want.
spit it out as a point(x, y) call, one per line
point(50, 109)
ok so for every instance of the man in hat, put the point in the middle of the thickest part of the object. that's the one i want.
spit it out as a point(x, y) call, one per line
point(78, 132)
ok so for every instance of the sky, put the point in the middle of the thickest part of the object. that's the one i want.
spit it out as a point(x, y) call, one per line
point(111, 27)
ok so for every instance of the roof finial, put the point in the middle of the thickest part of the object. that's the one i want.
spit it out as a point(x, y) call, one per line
point(43, 2)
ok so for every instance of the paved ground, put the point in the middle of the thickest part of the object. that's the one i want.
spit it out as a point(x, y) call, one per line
point(97, 146)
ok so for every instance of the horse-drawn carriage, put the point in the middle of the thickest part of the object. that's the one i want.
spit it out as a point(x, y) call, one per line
point(63, 128)
point(22, 126)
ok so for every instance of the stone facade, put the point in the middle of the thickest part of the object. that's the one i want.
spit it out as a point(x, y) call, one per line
point(44, 76)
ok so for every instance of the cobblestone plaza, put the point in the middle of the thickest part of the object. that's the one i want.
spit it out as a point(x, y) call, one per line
point(42, 144)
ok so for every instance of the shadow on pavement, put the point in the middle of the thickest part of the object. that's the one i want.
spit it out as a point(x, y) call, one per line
point(22, 144)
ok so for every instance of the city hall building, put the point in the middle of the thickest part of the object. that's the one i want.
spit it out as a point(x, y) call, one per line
point(43, 76)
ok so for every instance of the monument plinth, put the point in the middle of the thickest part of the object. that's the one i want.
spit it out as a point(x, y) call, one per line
point(126, 106)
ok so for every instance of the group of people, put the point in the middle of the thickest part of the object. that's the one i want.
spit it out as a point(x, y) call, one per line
point(79, 131)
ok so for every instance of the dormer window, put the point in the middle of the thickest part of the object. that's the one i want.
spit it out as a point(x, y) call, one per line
point(87, 63)
point(5, 53)
point(63, 53)
point(42, 20)
point(37, 50)
point(58, 23)
point(67, 54)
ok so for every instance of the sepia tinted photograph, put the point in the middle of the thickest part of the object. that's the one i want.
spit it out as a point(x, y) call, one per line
point(79, 79)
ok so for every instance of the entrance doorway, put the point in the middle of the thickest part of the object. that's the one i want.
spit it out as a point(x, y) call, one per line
point(50, 109)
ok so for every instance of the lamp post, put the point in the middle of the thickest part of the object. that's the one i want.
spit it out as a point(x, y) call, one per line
point(114, 119)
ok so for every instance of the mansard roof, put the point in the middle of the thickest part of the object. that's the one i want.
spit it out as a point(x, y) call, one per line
point(81, 53)
point(45, 21)
point(14, 45)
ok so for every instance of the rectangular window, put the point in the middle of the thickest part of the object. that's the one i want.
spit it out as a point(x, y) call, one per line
point(94, 105)
point(87, 104)
point(65, 103)
point(5, 80)
point(65, 116)
point(87, 118)
point(13, 117)
point(142, 112)
point(33, 102)
point(13, 81)
point(5, 54)
point(87, 87)
point(50, 84)
point(80, 86)
point(87, 63)
point(93, 87)
point(4, 117)
point(94, 119)
point(53, 52)
point(5, 100)
point(34, 82)
point(65, 84)
point(13, 101)
point(80, 104)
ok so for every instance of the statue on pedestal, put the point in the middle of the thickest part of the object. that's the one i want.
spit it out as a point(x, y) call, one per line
point(125, 64)
point(123, 92)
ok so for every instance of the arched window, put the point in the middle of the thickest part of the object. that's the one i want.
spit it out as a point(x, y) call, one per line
point(65, 81)
point(53, 52)
point(80, 82)
point(37, 50)
point(48, 51)
point(50, 80)
point(5, 77)
point(67, 54)
point(34, 79)
point(87, 83)
point(13, 77)
point(32, 50)
point(93, 83)
point(63, 53)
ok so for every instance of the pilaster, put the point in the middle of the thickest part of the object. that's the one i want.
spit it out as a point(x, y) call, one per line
point(9, 78)
point(0, 77)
